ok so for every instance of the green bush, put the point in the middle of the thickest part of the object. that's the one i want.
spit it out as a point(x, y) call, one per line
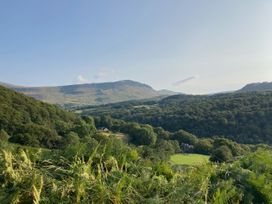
point(221, 154)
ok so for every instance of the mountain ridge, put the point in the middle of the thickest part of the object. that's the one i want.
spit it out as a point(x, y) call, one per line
point(258, 86)
point(91, 93)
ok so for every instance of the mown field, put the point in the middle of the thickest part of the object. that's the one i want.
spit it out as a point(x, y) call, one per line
point(189, 159)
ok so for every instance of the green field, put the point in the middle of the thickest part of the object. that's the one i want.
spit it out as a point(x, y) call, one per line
point(189, 159)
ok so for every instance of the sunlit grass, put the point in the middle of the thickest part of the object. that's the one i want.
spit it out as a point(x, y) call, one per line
point(189, 159)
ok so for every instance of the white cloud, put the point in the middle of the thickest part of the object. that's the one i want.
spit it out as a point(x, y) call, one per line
point(102, 75)
point(81, 80)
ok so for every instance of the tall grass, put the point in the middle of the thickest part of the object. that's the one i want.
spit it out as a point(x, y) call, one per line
point(106, 175)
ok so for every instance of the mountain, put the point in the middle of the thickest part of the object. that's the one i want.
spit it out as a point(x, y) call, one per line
point(8, 85)
point(263, 86)
point(32, 122)
point(165, 92)
point(91, 94)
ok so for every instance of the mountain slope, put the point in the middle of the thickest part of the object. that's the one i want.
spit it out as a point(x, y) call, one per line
point(264, 86)
point(91, 94)
point(31, 122)
point(8, 85)
point(165, 92)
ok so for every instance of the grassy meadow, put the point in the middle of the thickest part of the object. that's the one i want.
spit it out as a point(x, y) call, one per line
point(189, 159)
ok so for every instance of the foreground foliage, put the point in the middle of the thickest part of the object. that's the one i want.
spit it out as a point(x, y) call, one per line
point(114, 173)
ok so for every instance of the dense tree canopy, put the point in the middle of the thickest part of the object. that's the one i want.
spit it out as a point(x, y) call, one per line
point(184, 137)
point(31, 122)
point(243, 117)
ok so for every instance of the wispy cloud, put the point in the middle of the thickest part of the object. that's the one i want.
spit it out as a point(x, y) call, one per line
point(102, 75)
point(180, 82)
point(81, 80)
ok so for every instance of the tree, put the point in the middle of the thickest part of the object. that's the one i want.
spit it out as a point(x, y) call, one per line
point(162, 134)
point(222, 154)
point(25, 139)
point(143, 136)
point(235, 148)
point(106, 122)
point(165, 148)
point(185, 137)
point(3, 136)
point(130, 128)
point(203, 146)
point(72, 139)
point(62, 127)
point(91, 123)
point(118, 125)
point(83, 128)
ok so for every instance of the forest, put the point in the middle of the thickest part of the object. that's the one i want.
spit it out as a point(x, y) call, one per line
point(242, 117)
point(49, 155)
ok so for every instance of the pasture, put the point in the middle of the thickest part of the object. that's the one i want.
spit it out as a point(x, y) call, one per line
point(189, 159)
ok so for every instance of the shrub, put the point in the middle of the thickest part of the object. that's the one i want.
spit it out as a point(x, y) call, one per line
point(222, 154)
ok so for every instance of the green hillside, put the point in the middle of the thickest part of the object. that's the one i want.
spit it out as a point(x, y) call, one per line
point(243, 117)
point(28, 121)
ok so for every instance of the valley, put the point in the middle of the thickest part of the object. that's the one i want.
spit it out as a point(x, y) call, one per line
point(50, 155)
point(136, 102)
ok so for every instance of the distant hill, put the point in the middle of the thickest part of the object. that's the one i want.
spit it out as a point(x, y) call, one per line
point(264, 86)
point(8, 85)
point(92, 94)
point(165, 92)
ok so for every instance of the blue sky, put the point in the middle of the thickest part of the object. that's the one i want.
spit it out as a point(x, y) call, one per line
point(191, 46)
